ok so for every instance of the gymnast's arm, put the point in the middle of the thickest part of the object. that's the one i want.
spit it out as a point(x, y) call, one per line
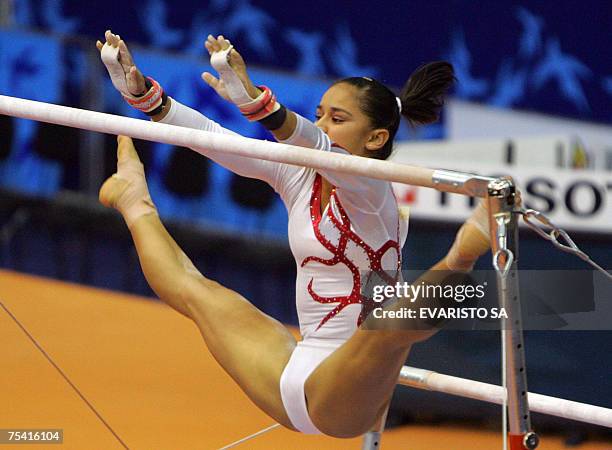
point(234, 84)
point(304, 133)
point(149, 99)
point(175, 113)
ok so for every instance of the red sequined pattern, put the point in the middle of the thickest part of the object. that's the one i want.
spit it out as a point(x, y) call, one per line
point(339, 255)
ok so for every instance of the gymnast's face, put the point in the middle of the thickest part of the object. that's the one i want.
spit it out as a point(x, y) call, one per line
point(340, 117)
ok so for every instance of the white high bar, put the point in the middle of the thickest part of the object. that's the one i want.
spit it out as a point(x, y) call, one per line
point(252, 148)
point(433, 381)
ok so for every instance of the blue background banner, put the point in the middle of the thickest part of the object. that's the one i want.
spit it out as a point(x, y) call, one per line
point(549, 56)
point(43, 159)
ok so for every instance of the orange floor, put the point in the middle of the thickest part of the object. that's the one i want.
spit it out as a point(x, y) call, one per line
point(148, 373)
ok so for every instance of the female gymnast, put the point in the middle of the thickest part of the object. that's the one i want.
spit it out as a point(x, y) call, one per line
point(338, 380)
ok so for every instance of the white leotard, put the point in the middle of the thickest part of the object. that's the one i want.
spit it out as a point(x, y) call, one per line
point(359, 230)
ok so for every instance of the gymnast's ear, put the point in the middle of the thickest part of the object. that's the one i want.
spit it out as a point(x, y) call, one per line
point(377, 139)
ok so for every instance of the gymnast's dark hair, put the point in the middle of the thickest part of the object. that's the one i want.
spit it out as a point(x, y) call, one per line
point(422, 99)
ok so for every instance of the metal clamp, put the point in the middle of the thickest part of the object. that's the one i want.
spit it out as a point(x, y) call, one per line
point(509, 259)
point(558, 236)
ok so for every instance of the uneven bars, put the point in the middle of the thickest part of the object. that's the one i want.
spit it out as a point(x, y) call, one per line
point(442, 180)
point(433, 381)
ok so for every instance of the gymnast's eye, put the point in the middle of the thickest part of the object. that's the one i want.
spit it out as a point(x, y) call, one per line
point(338, 120)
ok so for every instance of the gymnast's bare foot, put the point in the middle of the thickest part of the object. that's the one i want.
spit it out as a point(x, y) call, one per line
point(127, 189)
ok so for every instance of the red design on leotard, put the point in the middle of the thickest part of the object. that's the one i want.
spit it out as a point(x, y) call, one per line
point(340, 257)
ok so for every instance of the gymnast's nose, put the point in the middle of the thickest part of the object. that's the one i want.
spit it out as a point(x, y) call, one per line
point(321, 122)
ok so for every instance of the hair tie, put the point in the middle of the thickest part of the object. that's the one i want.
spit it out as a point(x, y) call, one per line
point(399, 104)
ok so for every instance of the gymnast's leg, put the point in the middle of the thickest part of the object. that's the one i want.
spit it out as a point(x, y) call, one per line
point(361, 375)
point(252, 347)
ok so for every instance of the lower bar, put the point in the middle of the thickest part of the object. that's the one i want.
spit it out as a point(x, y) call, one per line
point(433, 381)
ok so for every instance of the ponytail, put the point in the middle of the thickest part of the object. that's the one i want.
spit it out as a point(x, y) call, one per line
point(423, 94)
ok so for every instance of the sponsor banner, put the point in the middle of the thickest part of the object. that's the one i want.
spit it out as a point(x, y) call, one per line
point(577, 200)
point(577, 144)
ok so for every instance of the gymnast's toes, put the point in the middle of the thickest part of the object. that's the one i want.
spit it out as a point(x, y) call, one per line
point(125, 149)
point(129, 173)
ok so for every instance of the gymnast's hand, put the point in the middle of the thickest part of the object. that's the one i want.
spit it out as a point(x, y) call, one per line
point(133, 77)
point(237, 65)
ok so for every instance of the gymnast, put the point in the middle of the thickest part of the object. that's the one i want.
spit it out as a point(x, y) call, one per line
point(339, 378)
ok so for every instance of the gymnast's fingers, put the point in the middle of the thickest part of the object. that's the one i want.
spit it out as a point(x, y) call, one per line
point(210, 80)
point(114, 39)
point(224, 43)
point(214, 43)
point(110, 37)
point(209, 47)
point(126, 56)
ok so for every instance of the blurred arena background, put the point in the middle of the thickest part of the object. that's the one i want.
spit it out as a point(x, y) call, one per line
point(532, 100)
